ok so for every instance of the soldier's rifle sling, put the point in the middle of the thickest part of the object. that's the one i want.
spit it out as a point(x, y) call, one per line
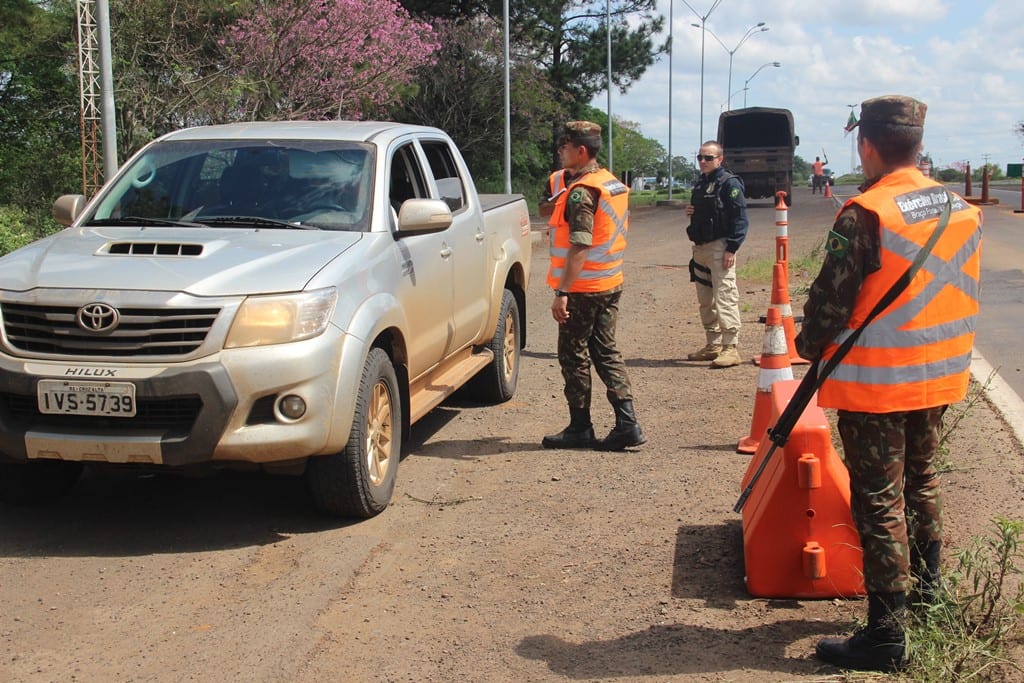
point(780, 431)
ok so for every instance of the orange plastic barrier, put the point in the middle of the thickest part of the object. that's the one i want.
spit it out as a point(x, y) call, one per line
point(799, 540)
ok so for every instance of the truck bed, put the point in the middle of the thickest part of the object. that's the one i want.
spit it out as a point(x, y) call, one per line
point(493, 201)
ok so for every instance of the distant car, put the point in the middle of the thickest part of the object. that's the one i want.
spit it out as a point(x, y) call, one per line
point(830, 177)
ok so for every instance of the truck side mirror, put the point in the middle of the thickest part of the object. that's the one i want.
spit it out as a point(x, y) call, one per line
point(418, 216)
point(67, 208)
point(796, 140)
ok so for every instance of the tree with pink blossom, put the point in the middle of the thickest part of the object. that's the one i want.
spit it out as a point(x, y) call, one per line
point(325, 59)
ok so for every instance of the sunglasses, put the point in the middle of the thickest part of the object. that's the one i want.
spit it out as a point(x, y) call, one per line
point(707, 157)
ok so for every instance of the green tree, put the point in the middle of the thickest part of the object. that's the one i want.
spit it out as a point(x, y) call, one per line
point(40, 141)
point(683, 170)
point(633, 154)
point(169, 69)
point(801, 168)
point(456, 10)
point(463, 94)
point(559, 62)
point(569, 39)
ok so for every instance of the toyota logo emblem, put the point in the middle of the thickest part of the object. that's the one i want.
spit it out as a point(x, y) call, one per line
point(98, 317)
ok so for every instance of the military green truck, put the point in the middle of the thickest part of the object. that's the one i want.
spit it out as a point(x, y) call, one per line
point(759, 144)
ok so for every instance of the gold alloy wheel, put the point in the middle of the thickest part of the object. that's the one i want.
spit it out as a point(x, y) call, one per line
point(379, 434)
point(508, 348)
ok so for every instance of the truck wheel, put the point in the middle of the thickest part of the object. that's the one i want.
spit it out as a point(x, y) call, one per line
point(37, 481)
point(497, 382)
point(359, 481)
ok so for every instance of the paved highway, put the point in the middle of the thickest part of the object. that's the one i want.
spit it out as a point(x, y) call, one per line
point(1001, 321)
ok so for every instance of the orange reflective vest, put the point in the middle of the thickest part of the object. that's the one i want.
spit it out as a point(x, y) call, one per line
point(818, 167)
point(603, 268)
point(916, 354)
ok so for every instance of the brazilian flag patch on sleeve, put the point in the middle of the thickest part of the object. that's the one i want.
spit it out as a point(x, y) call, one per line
point(576, 196)
point(836, 244)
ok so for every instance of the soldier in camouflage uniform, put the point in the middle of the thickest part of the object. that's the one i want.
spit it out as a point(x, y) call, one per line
point(589, 219)
point(893, 387)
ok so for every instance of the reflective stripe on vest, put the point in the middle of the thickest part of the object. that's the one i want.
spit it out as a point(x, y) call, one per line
point(917, 353)
point(603, 268)
point(557, 182)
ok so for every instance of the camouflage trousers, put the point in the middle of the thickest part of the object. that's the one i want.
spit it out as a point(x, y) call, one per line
point(589, 337)
point(894, 489)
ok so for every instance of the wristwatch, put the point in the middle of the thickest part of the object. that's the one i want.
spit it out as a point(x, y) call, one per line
point(560, 293)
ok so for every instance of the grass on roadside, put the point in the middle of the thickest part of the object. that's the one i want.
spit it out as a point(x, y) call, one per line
point(760, 270)
point(652, 197)
point(978, 620)
point(954, 415)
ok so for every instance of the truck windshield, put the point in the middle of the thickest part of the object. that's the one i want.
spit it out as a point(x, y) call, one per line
point(303, 183)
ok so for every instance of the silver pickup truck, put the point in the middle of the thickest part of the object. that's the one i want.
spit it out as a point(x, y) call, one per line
point(286, 295)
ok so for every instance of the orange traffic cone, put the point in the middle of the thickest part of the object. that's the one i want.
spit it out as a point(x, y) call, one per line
point(780, 300)
point(775, 366)
point(828, 189)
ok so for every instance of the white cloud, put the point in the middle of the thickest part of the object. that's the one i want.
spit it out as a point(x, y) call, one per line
point(965, 60)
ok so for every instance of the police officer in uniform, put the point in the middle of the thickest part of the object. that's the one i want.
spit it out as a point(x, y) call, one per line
point(718, 226)
point(908, 365)
point(589, 220)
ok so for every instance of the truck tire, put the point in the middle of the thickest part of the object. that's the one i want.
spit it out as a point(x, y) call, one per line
point(359, 481)
point(37, 481)
point(497, 382)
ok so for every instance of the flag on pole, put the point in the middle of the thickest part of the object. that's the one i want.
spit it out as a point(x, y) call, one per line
point(851, 122)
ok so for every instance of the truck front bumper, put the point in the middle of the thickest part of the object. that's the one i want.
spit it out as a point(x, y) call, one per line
point(221, 408)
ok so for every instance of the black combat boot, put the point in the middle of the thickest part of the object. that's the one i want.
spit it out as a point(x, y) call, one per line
point(879, 646)
point(924, 566)
point(579, 433)
point(626, 432)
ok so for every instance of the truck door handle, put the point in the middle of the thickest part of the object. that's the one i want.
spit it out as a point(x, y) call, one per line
point(480, 236)
point(446, 251)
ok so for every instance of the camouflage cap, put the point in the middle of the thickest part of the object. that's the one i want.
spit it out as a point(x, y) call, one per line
point(897, 110)
point(581, 132)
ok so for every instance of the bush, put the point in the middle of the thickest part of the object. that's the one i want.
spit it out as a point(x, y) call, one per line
point(14, 230)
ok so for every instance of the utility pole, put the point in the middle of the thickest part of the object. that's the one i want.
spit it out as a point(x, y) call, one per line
point(608, 25)
point(96, 95)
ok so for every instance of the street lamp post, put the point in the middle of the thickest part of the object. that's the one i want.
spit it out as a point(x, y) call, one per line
point(746, 83)
point(759, 27)
point(670, 101)
point(703, 21)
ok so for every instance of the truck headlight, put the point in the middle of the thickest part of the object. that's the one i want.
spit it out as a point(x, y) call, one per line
point(279, 319)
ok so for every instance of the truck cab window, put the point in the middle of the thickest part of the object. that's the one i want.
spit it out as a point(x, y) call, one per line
point(446, 174)
point(406, 177)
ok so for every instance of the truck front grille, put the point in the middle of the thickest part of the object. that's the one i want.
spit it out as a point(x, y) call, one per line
point(140, 331)
point(175, 415)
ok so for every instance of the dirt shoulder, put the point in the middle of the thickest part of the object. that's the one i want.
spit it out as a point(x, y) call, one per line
point(497, 561)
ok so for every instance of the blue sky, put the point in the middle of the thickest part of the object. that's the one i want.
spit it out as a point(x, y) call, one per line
point(964, 59)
